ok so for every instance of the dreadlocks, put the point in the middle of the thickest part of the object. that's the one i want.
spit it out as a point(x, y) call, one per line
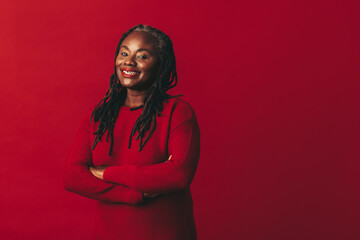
point(106, 111)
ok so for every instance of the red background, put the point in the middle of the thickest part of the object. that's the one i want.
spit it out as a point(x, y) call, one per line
point(275, 85)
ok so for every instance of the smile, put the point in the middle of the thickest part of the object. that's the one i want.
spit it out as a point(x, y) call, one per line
point(130, 73)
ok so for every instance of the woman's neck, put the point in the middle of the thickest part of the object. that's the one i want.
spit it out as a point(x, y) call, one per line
point(134, 98)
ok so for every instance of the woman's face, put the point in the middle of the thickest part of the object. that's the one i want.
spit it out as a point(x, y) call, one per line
point(137, 62)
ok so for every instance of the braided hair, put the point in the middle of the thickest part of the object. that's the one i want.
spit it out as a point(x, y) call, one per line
point(106, 111)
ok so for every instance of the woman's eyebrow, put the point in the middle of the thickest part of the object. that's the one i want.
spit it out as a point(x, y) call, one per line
point(140, 49)
point(144, 49)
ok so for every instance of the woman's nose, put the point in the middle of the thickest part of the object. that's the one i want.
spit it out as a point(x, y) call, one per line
point(129, 61)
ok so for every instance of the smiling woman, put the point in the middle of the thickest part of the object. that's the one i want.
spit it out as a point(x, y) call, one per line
point(137, 62)
point(142, 193)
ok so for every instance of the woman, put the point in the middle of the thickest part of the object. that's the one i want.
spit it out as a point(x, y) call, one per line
point(143, 192)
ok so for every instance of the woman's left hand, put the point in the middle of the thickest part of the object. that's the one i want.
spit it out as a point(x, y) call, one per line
point(97, 171)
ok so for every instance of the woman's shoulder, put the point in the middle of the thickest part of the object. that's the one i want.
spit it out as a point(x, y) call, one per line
point(86, 118)
point(179, 104)
point(88, 113)
point(180, 109)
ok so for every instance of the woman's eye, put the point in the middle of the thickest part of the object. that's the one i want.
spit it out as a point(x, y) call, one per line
point(142, 56)
point(123, 54)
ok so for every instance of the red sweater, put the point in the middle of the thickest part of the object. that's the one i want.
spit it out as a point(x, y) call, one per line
point(121, 212)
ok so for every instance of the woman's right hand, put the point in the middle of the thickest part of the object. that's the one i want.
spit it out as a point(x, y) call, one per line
point(150, 195)
point(168, 158)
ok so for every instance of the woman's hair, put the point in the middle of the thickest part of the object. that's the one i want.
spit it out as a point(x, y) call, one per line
point(106, 111)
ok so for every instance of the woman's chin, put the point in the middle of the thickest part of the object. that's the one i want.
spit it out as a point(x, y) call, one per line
point(134, 87)
point(128, 83)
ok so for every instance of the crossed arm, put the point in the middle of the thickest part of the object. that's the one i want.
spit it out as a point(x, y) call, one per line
point(131, 183)
point(173, 175)
point(98, 172)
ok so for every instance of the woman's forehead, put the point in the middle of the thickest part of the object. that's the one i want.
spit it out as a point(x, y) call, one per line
point(140, 38)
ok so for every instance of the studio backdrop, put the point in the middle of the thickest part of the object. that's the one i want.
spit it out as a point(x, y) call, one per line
point(274, 84)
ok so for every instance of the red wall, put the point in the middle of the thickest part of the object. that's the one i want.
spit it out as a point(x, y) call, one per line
point(275, 85)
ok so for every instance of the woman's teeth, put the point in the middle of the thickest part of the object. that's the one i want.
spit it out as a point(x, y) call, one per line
point(130, 73)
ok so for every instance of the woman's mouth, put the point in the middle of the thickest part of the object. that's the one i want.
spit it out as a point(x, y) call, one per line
point(129, 73)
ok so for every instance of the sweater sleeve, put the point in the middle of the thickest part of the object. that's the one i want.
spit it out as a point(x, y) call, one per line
point(170, 176)
point(79, 179)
